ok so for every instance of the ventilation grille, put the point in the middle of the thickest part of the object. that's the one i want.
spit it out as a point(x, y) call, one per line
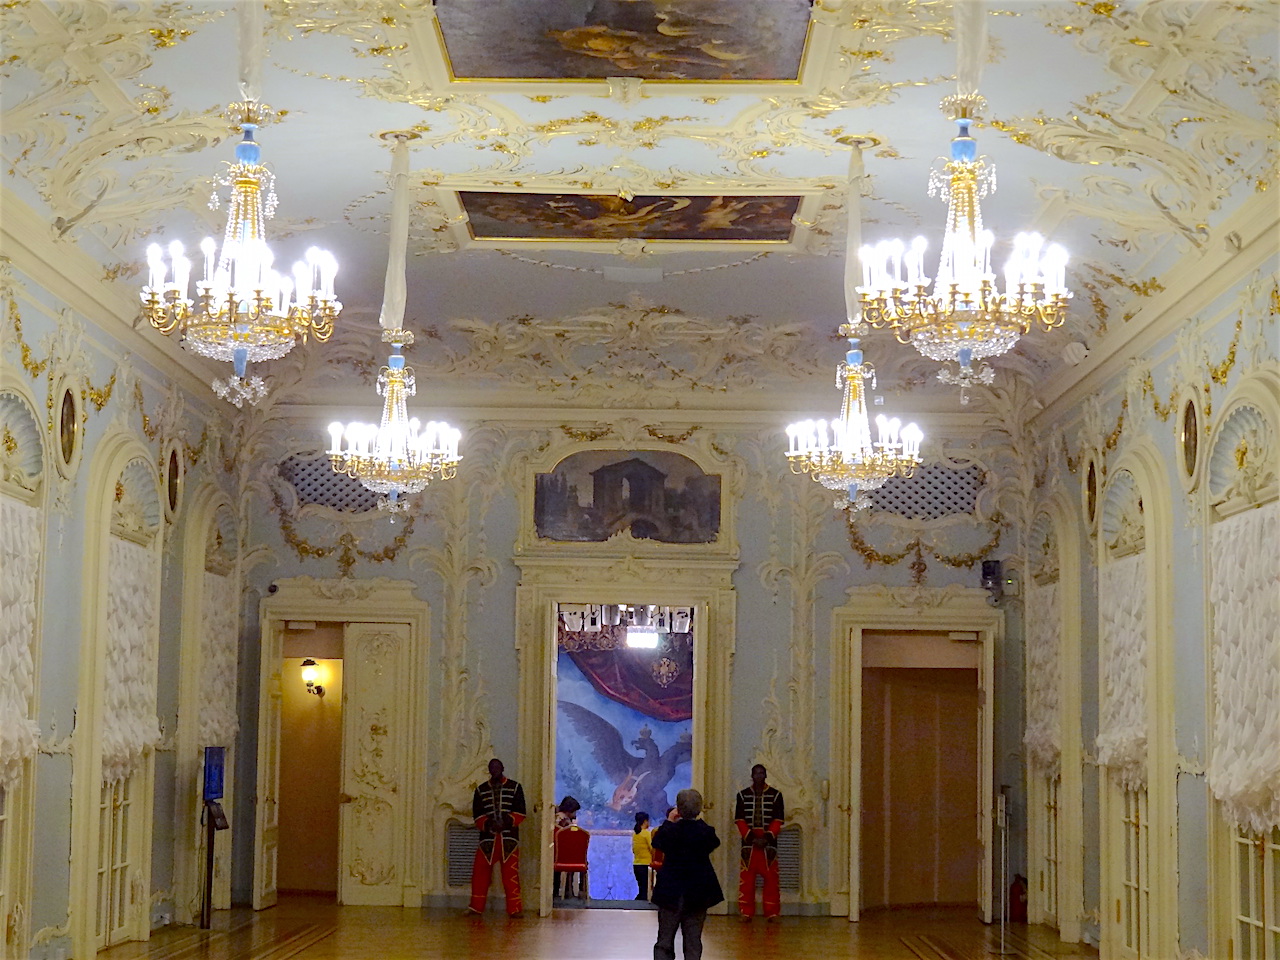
point(461, 842)
point(317, 482)
point(933, 491)
point(789, 859)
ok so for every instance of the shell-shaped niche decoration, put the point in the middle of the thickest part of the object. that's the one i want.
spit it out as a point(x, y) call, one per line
point(1242, 471)
point(135, 509)
point(1042, 548)
point(1122, 521)
point(21, 449)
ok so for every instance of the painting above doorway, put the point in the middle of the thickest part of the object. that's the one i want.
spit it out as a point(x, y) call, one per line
point(672, 40)
point(655, 494)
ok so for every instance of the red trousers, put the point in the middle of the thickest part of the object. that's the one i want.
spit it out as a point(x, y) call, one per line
point(759, 865)
point(482, 873)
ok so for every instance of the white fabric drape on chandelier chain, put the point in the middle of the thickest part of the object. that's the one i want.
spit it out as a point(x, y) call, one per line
point(251, 36)
point(971, 43)
point(394, 293)
point(853, 235)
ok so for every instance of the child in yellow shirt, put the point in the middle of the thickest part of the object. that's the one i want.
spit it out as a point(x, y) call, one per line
point(642, 854)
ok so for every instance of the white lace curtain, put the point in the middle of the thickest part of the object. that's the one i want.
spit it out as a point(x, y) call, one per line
point(1244, 595)
point(219, 642)
point(129, 724)
point(19, 566)
point(1044, 630)
point(1122, 642)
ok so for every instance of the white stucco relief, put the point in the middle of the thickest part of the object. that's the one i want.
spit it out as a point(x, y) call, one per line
point(1244, 593)
point(19, 566)
point(219, 643)
point(1042, 739)
point(129, 724)
point(1122, 730)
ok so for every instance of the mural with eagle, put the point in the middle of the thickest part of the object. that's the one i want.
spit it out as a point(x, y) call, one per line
point(640, 781)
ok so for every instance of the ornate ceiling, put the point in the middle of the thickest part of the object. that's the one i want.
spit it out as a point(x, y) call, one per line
point(643, 202)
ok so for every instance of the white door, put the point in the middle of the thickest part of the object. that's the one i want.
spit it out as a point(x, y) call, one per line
point(372, 858)
point(986, 812)
point(266, 801)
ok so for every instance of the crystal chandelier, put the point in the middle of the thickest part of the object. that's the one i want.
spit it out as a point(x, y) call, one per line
point(243, 310)
point(965, 317)
point(399, 457)
point(840, 454)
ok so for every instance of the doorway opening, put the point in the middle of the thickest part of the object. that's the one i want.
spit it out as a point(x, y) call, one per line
point(920, 769)
point(624, 727)
point(310, 760)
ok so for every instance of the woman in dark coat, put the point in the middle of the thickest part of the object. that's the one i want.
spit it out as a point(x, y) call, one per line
point(687, 884)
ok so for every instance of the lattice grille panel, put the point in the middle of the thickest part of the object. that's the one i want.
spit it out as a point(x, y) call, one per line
point(789, 859)
point(933, 491)
point(317, 482)
point(461, 842)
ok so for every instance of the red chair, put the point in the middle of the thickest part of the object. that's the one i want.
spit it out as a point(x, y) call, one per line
point(571, 856)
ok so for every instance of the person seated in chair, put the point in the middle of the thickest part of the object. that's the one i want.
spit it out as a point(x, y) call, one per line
point(566, 816)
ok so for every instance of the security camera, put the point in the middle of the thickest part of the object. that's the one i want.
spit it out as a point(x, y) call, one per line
point(993, 580)
point(273, 588)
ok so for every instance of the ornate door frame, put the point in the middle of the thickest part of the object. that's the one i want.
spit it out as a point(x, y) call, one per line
point(903, 609)
point(373, 601)
point(705, 585)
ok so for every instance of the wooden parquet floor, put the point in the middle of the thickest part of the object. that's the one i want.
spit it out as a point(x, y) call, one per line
point(305, 929)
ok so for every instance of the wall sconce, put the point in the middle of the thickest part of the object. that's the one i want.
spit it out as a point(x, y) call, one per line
point(310, 674)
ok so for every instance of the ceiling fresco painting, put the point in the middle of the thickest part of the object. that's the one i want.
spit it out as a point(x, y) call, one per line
point(663, 40)
point(602, 188)
point(532, 216)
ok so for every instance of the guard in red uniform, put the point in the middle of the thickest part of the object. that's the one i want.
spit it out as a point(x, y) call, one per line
point(759, 814)
point(498, 806)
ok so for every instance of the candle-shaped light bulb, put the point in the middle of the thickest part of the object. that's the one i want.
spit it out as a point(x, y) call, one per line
point(866, 256)
point(207, 247)
point(181, 268)
point(328, 268)
point(335, 438)
point(1055, 269)
point(156, 268)
point(985, 240)
point(911, 437)
point(915, 270)
point(896, 249)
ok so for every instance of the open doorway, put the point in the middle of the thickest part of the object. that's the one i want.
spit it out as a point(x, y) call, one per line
point(920, 737)
point(624, 682)
point(310, 759)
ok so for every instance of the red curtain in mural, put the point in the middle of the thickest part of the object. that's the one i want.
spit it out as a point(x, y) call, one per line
point(657, 682)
